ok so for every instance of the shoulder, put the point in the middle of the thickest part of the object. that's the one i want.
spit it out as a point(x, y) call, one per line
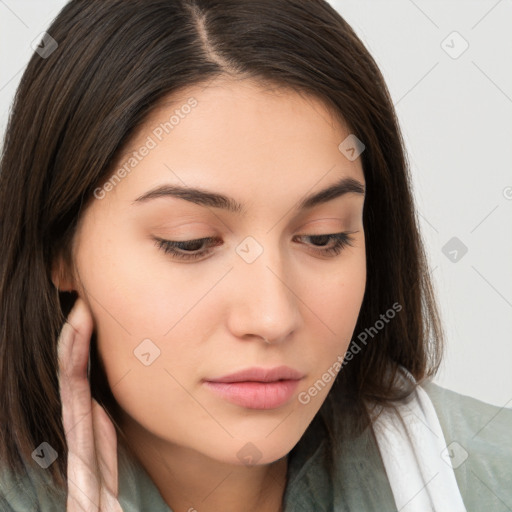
point(478, 439)
point(461, 410)
point(28, 492)
point(14, 495)
point(33, 491)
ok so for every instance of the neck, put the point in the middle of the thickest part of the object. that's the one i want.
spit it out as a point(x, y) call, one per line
point(190, 481)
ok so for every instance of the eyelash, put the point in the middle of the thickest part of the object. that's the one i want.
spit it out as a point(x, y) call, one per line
point(174, 248)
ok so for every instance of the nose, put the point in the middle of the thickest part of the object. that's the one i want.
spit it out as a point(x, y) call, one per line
point(263, 304)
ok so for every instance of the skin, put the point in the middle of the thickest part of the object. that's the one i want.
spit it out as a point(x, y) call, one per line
point(90, 435)
point(209, 317)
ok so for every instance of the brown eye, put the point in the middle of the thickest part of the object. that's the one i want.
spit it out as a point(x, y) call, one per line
point(340, 241)
point(186, 249)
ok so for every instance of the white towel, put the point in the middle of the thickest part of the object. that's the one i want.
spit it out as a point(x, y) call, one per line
point(414, 453)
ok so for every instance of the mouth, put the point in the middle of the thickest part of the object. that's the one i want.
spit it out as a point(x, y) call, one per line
point(257, 388)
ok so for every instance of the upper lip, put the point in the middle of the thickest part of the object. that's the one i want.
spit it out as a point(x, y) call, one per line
point(257, 374)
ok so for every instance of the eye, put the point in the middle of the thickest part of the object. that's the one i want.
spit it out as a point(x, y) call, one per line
point(339, 242)
point(195, 249)
point(187, 249)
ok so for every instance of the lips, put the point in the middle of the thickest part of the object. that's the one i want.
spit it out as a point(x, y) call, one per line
point(257, 388)
point(261, 375)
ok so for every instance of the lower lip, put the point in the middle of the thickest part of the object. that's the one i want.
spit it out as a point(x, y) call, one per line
point(255, 395)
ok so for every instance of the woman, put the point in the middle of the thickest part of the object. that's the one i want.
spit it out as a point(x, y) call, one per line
point(206, 209)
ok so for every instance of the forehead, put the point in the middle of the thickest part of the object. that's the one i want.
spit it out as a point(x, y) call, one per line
point(238, 136)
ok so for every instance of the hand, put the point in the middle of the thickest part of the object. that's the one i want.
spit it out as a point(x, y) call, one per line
point(90, 435)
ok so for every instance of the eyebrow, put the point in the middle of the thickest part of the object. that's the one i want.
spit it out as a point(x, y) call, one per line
point(211, 199)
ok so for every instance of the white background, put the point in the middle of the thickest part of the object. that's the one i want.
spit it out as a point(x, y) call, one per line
point(456, 117)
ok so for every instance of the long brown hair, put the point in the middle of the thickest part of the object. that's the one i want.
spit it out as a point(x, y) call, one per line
point(76, 109)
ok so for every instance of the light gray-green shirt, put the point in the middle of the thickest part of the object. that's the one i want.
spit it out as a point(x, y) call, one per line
point(359, 482)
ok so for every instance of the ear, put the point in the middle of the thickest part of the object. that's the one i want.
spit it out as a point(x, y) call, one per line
point(62, 277)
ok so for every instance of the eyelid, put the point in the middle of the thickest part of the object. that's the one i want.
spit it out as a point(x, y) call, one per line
point(341, 241)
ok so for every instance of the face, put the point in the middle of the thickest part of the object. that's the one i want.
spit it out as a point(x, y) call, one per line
point(268, 289)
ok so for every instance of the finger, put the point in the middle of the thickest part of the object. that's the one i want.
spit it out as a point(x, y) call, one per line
point(78, 327)
point(73, 353)
point(83, 485)
point(105, 439)
point(109, 503)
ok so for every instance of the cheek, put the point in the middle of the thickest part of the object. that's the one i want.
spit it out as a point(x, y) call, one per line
point(139, 307)
point(149, 323)
point(340, 299)
point(133, 289)
point(339, 294)
point(335, 301)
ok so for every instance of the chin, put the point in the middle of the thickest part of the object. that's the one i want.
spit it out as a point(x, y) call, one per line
point(257, 452)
